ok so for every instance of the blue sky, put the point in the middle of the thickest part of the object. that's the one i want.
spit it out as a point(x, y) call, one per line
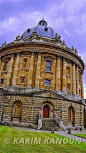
point(67, 17)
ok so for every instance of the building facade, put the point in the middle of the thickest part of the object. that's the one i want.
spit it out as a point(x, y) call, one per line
point(40, 77)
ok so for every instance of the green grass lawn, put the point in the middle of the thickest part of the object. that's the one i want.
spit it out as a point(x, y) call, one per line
point(80, 135)
point(20, 145)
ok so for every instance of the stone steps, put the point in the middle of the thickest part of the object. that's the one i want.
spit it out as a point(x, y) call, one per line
point(48, 124)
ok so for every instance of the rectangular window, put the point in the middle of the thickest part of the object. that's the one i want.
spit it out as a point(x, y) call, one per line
point(2, 81)
point(48, 65)
point(24, 64)
point(47, 82)
point(22, 80)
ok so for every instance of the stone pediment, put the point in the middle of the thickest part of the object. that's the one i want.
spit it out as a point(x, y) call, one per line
point(49, 94)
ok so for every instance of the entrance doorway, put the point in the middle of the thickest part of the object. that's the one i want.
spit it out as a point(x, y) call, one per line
point(46, 111)
point(17, 111)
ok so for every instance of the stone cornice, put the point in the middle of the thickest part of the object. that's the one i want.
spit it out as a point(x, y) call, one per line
point(43, 47)
point(13, 91)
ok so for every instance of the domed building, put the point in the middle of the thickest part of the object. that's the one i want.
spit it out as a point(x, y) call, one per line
point(41, 81)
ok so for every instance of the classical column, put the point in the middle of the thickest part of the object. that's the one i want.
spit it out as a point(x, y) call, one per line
point(82, 88)
point(30, 75)
point(77, 81)
point(2, 65)
point(16, 66)
point(74, 79)
point(58, 74)
point(37, 80)
point(10, 65)
point(64, 75)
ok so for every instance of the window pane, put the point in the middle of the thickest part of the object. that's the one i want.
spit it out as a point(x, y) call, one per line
point(47, 82)
point(48, 65)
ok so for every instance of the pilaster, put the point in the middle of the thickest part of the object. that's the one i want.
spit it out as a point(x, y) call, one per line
point(74, 79)
point(82, 88)
point(16, 66)
point(30, 75)
point(37, 80)
point(64, 75)
point(10, 65)
point(58, 74)
point(77, 81)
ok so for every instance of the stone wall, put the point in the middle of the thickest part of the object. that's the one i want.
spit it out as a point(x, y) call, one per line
point(33, 105)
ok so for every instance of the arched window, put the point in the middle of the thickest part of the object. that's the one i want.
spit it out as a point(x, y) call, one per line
point(71, 115)
point(5, 66)
point(24, 63)
point(68, 72)
point(17, 111)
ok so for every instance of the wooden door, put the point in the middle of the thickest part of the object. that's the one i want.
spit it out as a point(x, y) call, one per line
point(46, 111)
point(17, 111)
point(71, 115)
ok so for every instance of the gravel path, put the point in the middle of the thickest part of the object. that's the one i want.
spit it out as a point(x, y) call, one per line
point(63, 133)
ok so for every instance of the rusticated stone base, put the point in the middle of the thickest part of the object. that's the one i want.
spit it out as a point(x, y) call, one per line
point(22, 108)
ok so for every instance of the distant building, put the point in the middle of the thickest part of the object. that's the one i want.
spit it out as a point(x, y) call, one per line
point(41, 81)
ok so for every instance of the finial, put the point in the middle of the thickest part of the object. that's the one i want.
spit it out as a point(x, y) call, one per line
point(5, 43)
point(59, 36)
point(76, 50)
point(35, 30)
point(2, 45)
point(56, 34)
point(72, 48)
point(63, 42)
point(18, 37)
point(22, 36)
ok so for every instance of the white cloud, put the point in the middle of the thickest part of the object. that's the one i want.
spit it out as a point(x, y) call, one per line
point(65, 16)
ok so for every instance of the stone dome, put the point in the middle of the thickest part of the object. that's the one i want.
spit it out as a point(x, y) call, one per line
point(41, 29)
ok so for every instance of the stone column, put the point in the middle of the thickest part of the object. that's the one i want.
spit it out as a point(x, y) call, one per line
point(15, 70)
point(30, 75)
point(64, 75)
point(74, 79)
point(37, 80)
point(77, 81)
point(82, 88)
point(2, 65)
point(10, 65)
point(1, 70)
point(58, 74)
